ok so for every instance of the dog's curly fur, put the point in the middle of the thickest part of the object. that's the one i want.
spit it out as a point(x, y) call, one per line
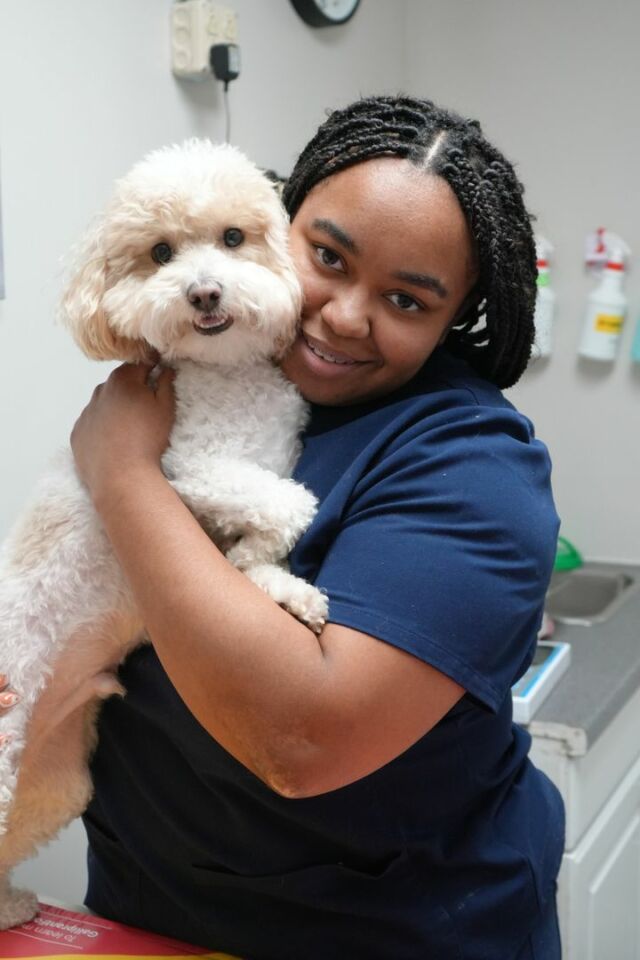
point(220, 307)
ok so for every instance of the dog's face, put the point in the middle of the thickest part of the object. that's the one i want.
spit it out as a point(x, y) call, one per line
point(190, 259)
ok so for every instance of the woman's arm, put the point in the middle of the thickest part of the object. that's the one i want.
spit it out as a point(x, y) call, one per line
point(306, 714)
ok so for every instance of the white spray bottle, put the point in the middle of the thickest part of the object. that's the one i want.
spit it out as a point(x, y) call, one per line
point(606, 307)
point(545, 301)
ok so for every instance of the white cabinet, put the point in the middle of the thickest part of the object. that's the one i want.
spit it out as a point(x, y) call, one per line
point(602, 878)
point(599, 886)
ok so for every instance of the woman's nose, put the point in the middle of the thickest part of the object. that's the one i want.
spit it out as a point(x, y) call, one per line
point(347, 315)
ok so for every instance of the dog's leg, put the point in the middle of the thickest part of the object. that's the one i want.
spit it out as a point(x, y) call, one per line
point(53, 787)
point(58, 572)
point(266, 514)
point(237, 498)
point(53, 782)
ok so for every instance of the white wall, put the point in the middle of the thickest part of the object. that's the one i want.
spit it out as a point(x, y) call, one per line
point(85, 90)
point(557, 86)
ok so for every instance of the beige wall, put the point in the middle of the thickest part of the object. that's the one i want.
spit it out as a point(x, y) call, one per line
point(556, 84)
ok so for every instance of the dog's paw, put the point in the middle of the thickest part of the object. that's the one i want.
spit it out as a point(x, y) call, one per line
point(301, 599)
point(16, 906)
point(309, 605)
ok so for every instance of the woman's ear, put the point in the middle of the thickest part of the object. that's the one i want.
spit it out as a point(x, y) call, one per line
point(82, 305)
point(470, 302)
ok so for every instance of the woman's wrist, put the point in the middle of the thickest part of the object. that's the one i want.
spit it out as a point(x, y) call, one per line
point(119, 438)
point(125, 484)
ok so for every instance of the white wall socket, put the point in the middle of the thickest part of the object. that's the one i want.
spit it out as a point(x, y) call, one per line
point(195, 26)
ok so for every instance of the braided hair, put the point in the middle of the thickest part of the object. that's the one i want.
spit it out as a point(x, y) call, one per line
point(494, 332)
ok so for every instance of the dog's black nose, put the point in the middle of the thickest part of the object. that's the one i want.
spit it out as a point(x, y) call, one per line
point(204, 297)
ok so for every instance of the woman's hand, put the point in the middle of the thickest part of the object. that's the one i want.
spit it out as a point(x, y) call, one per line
point(124, 427)
point(8, 699)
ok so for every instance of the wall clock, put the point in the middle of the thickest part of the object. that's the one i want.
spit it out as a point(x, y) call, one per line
point(325, 13)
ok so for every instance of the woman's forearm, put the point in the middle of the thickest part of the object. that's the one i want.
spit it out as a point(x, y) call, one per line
point(306, 714)
point(249, 672)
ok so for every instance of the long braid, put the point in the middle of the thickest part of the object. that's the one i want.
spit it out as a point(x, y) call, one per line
point(495, 333)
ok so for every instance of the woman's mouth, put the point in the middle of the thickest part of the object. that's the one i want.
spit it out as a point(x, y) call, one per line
point(323, 352)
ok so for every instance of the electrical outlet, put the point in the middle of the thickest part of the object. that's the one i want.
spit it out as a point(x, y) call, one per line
point(195, 26)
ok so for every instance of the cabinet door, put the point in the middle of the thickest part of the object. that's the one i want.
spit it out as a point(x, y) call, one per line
point(600, 881)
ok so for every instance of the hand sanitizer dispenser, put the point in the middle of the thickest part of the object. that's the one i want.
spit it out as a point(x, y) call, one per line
point(606, 311)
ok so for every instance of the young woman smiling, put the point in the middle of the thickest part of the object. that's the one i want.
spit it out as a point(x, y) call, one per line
point(362, 793)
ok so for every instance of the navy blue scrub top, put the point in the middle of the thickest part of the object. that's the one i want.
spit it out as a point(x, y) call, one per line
point(436, 533)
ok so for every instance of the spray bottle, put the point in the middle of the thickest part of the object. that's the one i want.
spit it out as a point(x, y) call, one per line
point(545, 300)
point(606, 307)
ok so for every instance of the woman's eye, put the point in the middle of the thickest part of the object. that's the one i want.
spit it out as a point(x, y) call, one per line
point(404, 302)
point(161, 253)
point(233, 237)
point(328, 257)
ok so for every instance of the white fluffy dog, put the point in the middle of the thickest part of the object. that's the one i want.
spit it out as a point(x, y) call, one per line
point(190, 260)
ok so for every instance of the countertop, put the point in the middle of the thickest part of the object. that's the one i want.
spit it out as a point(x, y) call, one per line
point(603, 674)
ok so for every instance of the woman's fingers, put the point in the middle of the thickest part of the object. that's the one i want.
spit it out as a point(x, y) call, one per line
point(164, 383)
point(8, 699)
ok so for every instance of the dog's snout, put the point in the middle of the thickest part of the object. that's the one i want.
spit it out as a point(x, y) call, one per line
point(204, 297)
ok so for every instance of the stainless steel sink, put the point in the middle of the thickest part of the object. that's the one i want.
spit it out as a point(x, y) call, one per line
point(586, 596)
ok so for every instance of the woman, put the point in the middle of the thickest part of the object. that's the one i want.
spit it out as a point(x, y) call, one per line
point(274, 794)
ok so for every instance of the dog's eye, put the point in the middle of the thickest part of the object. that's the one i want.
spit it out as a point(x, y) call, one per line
point(233, 237)
point(161, 253)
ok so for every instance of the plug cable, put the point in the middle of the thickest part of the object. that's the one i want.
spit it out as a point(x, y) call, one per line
point(227, 113)
point(224, 60)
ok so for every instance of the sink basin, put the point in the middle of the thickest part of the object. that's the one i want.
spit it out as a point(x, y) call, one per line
point(588, 596)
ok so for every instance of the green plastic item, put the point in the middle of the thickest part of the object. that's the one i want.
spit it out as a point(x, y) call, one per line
point(567, 556)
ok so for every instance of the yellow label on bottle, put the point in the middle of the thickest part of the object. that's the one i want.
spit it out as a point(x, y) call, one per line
point(608, 322)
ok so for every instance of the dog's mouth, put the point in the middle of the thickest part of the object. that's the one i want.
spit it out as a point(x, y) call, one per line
point(210, 324)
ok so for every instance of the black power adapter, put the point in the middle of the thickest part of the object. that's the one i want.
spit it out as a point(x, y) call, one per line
point(224, 59)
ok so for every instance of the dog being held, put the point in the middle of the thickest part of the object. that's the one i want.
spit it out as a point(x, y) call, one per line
point(189, 261)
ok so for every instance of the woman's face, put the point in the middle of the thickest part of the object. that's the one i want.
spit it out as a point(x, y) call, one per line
point(386, 260)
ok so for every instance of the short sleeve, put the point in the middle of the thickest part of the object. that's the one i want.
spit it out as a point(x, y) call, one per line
point(446, 546)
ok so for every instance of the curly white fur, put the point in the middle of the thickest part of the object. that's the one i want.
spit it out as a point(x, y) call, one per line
point(67, 617)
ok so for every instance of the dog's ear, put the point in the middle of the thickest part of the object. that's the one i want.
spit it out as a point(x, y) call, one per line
point(280, 261)
point(82, 310)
